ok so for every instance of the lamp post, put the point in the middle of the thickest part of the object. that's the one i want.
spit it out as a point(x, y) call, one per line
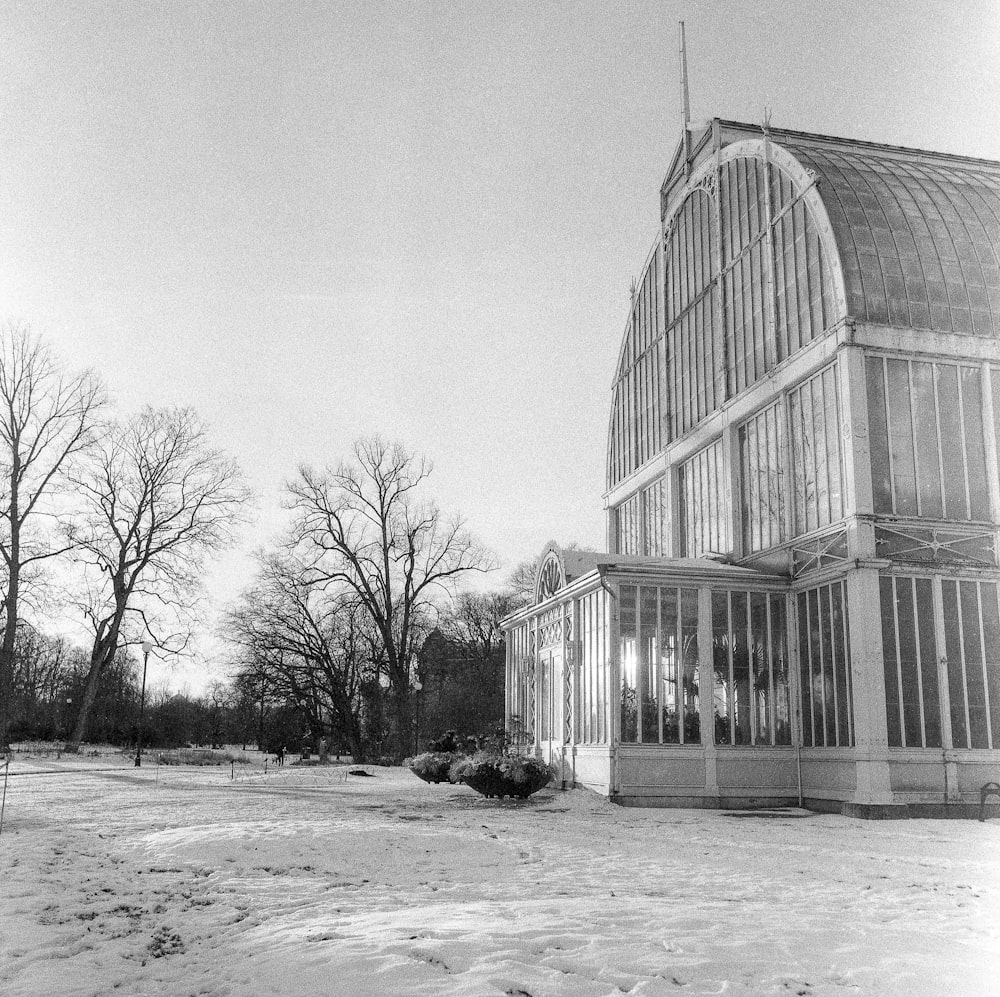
point(416, 686)
point(146, 648)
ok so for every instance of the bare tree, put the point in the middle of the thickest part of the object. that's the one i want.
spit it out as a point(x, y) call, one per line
point(474, 622)
point(364, 528)
point(161, 499)
point(308, 644)
point(47, 418)
point(521, 582)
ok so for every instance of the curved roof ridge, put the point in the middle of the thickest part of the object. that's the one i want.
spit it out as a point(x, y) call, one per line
point(774, 131)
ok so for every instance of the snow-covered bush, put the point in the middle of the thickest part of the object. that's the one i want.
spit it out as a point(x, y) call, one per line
point(502, 774)
point(433, 766)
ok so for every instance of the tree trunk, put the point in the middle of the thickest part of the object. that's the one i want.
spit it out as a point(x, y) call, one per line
point(101, 654)
point(357, 748)
point(7, 646)
point(403, 733)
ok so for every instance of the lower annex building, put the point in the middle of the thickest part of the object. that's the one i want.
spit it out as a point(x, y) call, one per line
point(800, 599)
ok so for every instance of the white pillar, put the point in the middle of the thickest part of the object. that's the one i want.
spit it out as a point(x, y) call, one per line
point(871, 737)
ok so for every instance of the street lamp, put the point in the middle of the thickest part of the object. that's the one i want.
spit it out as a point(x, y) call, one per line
point(146, 648)
point(416, 685)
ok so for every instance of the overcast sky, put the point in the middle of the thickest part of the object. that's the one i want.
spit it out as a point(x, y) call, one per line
point(316, 221)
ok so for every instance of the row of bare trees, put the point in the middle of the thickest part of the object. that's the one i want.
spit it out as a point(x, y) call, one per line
point(133, 507)
point(48, 683)
point(341, 606)
point(130, 506)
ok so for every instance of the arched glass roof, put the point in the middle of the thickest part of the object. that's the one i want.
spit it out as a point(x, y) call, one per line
point(918, 232)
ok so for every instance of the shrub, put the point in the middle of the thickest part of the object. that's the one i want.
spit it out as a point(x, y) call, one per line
point(433, 766)
point(503, 774)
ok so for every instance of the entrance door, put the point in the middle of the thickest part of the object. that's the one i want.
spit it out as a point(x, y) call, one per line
point(550, 712)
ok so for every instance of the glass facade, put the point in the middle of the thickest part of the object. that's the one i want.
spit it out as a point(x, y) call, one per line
point(730, 436)
point(972, 649)
point(909, 659)
point(592, 719)
point(928, 453)
point(658, 629)
point(640, 522)
point(761, 469)
point(825, 667)
point(816, 452)
point(751, 698)
point(638, 428)
point(745, 284)
point(705, 506)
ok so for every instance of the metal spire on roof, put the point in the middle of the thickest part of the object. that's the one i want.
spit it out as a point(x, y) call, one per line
point(685, 102)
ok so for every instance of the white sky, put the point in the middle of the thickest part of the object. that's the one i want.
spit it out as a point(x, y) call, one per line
point(315, 221)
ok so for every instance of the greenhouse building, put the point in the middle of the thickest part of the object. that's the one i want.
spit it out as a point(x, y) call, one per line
point(800, 599)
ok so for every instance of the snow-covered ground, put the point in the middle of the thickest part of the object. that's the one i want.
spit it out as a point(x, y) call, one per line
point(183, 882)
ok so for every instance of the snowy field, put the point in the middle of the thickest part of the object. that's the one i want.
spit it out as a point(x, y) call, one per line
point(184, 882)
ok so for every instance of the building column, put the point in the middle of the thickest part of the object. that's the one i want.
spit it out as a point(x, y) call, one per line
point(871, 736)
point(614, 687)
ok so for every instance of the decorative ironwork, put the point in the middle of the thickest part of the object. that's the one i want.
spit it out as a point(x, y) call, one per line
point(569, 667)
point(818, 553)
point(709, 183)
point(935, 546)
point(528, 672)
point(550, 577)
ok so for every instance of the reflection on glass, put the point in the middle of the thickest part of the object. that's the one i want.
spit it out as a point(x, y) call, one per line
point(669, 665)
point(627, 629)
point(689, 651)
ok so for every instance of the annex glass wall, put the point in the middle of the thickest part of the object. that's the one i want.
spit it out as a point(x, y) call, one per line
point(521, 649)
point(751, 697)
point(592, 721)
point(825, 667)
point(910, 660)
point(972, 649)
point(658, 627)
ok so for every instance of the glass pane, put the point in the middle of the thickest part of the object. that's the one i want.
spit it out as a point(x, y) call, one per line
point(829, 680)
point(878, 435)
point(760, 676)
point(974, 684)
point(928, 663)
point(975, 445)
point(953, 652)
point(840, 663)
point(908, 665)
point(669, 664)
point(805, 679)
point(901, 437)
point(991, 641)
point(649, 732)
point(544, 696)
point(628, 631)
point(741, 670)
point(722, 702)
point(955, 506)
point(889, 664)
point(779, 670)
point(689, 648)
point(928, 457)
